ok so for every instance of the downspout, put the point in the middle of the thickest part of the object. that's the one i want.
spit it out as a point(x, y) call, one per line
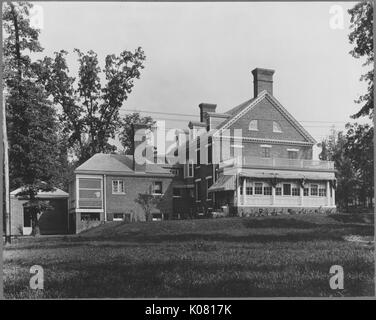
point(105, 196)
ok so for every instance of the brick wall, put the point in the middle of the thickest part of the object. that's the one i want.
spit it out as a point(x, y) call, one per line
point(125, 203)
point(266, 113)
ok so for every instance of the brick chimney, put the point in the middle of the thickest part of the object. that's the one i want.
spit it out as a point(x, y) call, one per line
point(206, 107)
point(139, 131)
point(262, 80)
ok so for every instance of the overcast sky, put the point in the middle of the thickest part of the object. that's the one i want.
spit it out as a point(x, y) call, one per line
point(204, 52)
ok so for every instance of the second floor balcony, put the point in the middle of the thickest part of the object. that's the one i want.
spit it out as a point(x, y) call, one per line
point(279, 163)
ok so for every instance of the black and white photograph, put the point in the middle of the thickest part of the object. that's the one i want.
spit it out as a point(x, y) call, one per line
point(179, 150)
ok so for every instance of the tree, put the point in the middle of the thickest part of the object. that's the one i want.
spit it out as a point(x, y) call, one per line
point(90, 111)
point(31, 118)
point(127, 131)
point(148, 202)
point(359, 150)
point(333, 149)
point(361, 37)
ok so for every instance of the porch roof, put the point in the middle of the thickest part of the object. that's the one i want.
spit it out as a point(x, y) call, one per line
point(254, 173)
point(224, 183)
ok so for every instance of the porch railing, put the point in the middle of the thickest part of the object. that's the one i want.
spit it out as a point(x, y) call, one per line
point(246, 161)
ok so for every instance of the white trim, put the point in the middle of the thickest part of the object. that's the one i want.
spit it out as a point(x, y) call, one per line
point(280, 206)
point(266, 140)
point(265, 146)
point(90, 210)
point(275, 102)
point(209, 177)
point(199, 179)
point(294, 150)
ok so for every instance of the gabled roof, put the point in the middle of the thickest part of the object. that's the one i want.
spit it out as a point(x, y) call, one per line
point(117, 163)
point(243, 108)
point(239, 108)
point(56, 193)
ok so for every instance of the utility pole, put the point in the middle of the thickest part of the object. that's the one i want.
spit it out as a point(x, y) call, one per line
point(6, 174)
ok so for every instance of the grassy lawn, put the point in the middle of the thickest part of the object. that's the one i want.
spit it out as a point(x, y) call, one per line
point(237, 257)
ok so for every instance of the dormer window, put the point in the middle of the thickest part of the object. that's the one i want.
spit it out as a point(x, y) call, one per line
point(253, 125)
point(277, 127)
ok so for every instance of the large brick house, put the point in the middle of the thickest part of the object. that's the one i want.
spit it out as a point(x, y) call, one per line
point(257, 157)
point(254, 157)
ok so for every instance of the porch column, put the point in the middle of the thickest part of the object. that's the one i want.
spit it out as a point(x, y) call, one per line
point(328, 193)
point(244, 189)
point(333, 196)
point(273, 195)
point(301, 196)
point(238, 198)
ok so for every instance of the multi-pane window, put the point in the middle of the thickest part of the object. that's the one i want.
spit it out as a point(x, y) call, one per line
point(276, 127)
point(267, 191)
point(118, 217)
point(295, 191)
point(314, 189)
point(253, 125)
point(90, 193)
point(198, 154)
point(278, 191)
point(322, 192)
point(157, 187)
point(118, 187)
point(248, 188)
point(258, 188)
point(306, 192)
point(292, 154)
point(265, 152)
point(286, 189)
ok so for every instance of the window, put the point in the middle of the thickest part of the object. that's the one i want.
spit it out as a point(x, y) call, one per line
point(176, 193)
point(278, 191)
point(248, 190)
point(265, 152)
point(322, 192)
point(175, 172)
point(314, 189)
point(90, 193)
point(190, 168)
point(90, 216)
point(286, 189)
point(258, 188)
point(198, 190)
point(276, 127)
point(295, 191)
point(210, 150)
point(157, 187)
point(253, 125)
point(268, 191)
point(306, 192)
point(118, 217)
point(209, 183)
point(118, 187)
point(292, 154)
point(198, 154)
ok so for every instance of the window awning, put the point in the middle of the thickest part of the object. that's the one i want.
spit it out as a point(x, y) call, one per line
point(224, 183)
point(254, 173)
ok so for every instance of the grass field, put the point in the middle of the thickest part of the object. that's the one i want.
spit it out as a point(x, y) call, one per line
point(237, 257)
